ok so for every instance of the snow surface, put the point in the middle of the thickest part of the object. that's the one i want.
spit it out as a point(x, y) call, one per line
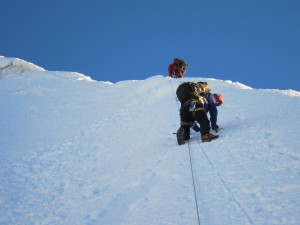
point(15, 65)
point(78, 151)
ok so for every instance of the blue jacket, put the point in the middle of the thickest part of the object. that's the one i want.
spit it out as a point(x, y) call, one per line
point(211, 107)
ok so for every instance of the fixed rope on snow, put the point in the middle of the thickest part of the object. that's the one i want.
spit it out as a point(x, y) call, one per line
point(223, 182)
point(191, 164)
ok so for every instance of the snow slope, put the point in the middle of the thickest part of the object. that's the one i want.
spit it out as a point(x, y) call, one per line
point(78, 151)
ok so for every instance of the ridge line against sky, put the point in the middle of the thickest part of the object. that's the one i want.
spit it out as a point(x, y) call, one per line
point(255, 43)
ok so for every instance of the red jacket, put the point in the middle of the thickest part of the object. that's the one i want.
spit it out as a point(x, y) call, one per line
point(174, 71)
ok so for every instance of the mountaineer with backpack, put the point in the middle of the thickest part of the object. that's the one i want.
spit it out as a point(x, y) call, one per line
point(177, 69)
point(193, 110)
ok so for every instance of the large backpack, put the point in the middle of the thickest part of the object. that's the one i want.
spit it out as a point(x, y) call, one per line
point(180, 64)
point(187, 91)
point(203, 86)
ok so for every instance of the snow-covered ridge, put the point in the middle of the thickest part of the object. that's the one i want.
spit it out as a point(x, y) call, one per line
point(15, 66)
point(70, 75)
point(237, 84)
point(289, 92)
point(10, 66)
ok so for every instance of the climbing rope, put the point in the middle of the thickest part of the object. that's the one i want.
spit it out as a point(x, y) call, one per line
point(5, 67)
point(191, 164)
point(223, 181)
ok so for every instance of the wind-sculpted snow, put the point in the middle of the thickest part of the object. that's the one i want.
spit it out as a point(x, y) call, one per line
point(81, 152)
point(15, 65)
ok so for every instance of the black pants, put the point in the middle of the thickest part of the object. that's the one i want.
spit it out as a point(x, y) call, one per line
point(187, 117)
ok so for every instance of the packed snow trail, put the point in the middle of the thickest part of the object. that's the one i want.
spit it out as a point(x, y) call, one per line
point(77, 151)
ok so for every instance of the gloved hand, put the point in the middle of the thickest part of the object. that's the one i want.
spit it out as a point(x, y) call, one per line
point(215, 128)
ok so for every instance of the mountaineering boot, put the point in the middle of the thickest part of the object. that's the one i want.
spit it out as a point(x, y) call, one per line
point(208, 137)
point(180, 136)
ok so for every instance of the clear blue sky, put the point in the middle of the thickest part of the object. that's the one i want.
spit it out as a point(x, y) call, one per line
point(256, 42)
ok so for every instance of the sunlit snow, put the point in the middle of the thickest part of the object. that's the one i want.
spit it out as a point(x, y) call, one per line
point(78, 151)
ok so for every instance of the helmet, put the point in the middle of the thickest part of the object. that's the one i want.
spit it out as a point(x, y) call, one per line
point(218, 99)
